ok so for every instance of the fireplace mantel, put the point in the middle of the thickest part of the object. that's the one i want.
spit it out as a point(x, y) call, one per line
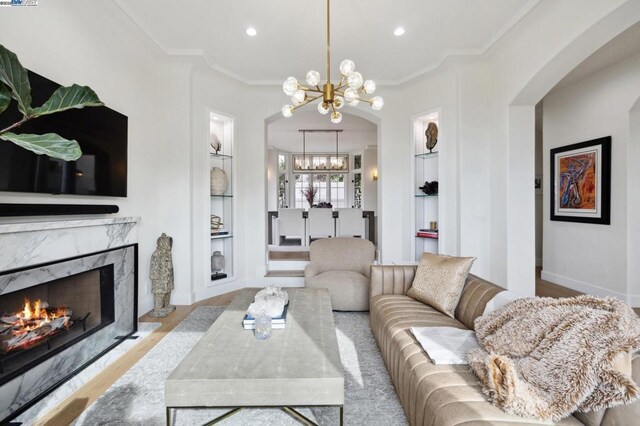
point(11, 227)
point(25, 244)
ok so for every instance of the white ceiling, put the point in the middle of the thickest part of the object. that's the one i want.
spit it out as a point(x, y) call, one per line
point(623, 46)
point(291, 33)
point(357, 134)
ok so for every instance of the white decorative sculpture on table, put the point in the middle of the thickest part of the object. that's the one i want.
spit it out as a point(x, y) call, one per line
point(270, 300)
point(161, 275)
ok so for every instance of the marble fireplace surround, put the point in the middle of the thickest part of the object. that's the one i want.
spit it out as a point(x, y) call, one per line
point(38, 252)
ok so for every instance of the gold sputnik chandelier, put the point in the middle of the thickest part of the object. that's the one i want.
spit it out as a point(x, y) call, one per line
point(351, 88)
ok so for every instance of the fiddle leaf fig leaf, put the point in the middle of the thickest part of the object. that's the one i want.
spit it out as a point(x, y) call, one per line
point(15, 77)
point(65, 98)
point(5, 98)
point(49, 144)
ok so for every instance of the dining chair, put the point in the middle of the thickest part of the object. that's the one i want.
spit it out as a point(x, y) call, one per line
point(320, 224)
point(290, 223)
point(350, 223)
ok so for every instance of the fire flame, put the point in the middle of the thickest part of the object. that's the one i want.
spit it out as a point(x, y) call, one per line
point(31, 318)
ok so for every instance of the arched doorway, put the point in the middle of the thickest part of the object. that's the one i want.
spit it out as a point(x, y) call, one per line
point(520, 193)
point(353, 186)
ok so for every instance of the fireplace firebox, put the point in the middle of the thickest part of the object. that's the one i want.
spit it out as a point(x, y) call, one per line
point(41, 321)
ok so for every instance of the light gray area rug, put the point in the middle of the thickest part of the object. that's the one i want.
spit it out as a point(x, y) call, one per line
point(137, 398)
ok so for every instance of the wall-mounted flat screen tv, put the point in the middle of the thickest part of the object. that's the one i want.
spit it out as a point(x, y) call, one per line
point(101, 133)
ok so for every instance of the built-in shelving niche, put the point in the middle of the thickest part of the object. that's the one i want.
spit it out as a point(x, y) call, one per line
point(223, 205)
point(426, 168)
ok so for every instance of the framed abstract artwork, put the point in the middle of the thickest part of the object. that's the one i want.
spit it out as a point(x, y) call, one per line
point(581, 182)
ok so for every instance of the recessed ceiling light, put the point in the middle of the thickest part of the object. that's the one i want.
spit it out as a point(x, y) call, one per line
point(251, 32)
point(398, 31)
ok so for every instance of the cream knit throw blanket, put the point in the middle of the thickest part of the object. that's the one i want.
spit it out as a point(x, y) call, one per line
point(546, 358)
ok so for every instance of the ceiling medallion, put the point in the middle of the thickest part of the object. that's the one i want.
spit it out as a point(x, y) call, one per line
point(332, 97)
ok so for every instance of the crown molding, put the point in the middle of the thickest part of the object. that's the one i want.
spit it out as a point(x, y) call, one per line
point(451, 53)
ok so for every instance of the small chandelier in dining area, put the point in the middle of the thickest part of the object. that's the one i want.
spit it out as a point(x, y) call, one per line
point(351, 88)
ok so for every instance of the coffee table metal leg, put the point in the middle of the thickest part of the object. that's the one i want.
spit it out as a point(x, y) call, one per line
point(341, 415)
point(168, 414)
point(224, 416)
point(299, 416)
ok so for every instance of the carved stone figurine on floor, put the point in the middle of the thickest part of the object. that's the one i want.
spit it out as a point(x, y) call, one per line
point(162, 277)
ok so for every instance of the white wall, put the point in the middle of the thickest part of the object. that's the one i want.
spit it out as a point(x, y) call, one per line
point(272, 179)
point(369, 186)
point(539, 174)
point(633, 205)
point(90, 43)
point(587, 257)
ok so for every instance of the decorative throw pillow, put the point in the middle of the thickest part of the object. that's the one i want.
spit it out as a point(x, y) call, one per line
point(439, 281)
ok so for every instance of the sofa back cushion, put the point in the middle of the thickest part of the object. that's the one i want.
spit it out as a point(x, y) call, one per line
point(342, 254)
point(475, 295)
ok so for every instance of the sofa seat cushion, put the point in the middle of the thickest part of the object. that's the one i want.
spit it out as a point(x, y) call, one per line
point(349, 290)
point(431, 394)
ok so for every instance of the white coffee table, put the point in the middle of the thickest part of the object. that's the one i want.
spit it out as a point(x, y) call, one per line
point(298, 366)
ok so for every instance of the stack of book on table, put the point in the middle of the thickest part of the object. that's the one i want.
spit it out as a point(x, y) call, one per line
point(249, 322)
point(427, 233)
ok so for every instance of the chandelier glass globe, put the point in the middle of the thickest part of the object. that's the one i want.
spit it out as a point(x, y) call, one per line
point(354, 80)
point(336, 117)
point(350, 95)
point(313, 78)
point(323, 108)
point(347, 67)
point(290, 86)
point(338, 102)
point(287, 111)
point(354, 102)
point(377, 103)
point(299, 96)
point(369, 87)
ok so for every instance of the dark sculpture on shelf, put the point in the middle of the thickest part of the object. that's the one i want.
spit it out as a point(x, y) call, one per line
point(430, 188)
point(432, 136)
point(216, 144)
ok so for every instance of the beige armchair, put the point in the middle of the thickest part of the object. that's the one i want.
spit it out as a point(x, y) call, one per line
point(343, 266)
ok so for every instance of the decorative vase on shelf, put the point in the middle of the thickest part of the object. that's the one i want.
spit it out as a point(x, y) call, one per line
point(219, 181)
point(217, 262)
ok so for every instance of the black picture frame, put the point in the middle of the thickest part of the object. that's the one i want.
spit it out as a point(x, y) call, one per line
point(601, 151)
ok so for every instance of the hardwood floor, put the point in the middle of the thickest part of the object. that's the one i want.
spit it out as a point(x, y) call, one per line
point(69, 409)
point(547, 289)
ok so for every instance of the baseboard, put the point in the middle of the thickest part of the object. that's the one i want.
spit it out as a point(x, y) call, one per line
point(145, 307)
point(582, 286)
point(634, 300)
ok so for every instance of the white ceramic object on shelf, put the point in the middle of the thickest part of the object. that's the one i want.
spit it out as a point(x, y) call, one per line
point(219, 181)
